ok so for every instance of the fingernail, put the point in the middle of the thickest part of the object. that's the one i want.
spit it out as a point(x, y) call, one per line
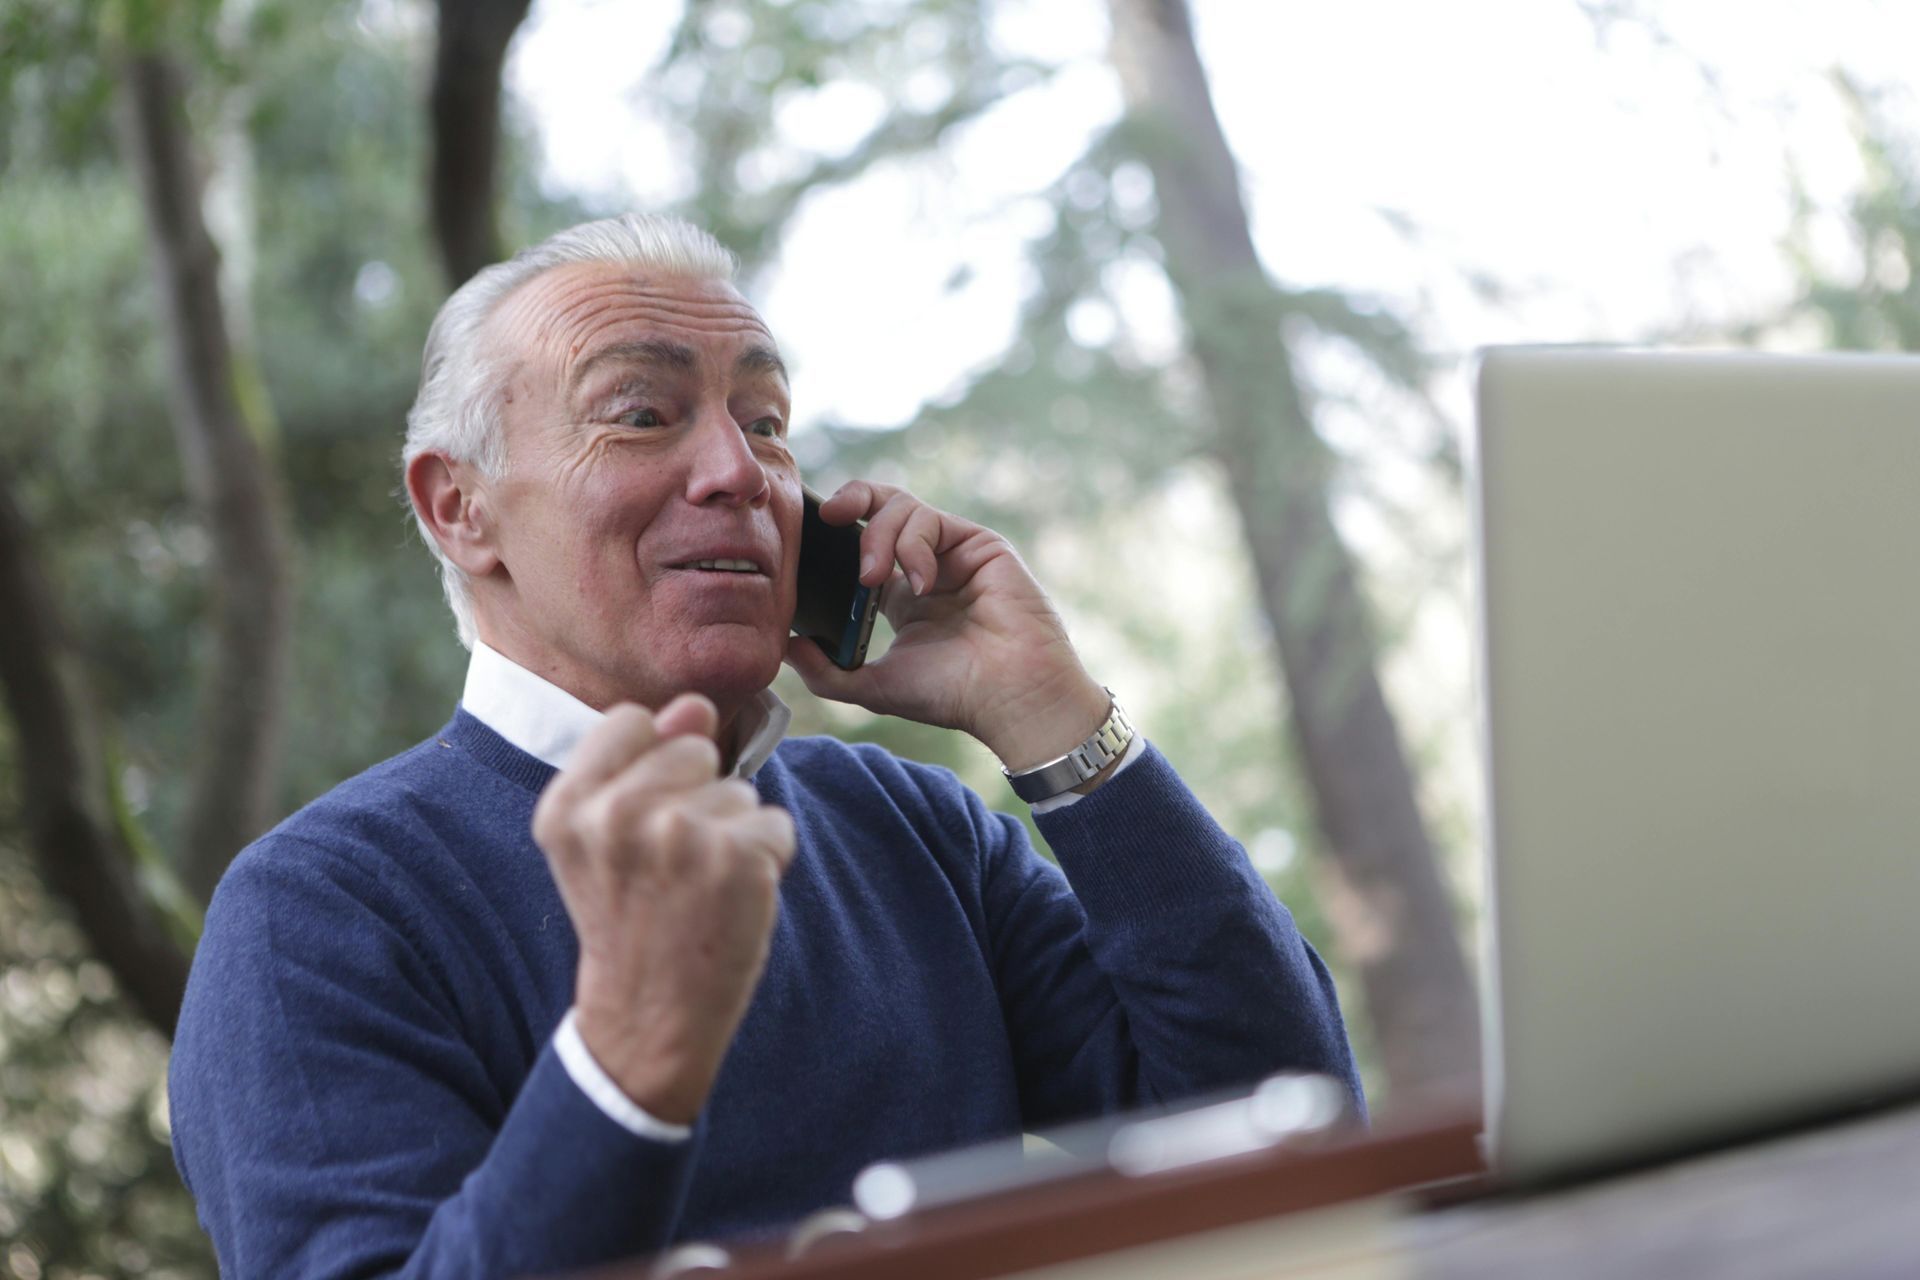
point(866, 566)
point(919, 587)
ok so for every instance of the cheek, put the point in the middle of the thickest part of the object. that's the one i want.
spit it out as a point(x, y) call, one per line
point(583, 537)
point(614, 495)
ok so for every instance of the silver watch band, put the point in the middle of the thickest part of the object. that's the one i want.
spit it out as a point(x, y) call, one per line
point(1108, 743)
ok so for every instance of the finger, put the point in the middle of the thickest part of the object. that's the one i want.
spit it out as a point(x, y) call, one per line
point(625, 735)
point(856, 500)
point(690, 713)
point(878, 543)
point(627, 732)
point(768, 830)
point(897, 601)
point(721, 799)
point(675, 764)
point(918, 548)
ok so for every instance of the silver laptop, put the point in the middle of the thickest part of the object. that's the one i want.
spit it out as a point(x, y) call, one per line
point(1701, 678)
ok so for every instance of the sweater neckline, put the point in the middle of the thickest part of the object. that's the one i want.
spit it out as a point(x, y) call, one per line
point(470, 734)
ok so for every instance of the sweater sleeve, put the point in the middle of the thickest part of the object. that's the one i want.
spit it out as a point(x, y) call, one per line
point(1158, 966)
point(332, 1120)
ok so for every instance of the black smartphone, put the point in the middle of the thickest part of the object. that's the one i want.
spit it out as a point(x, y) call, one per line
point(833, 608)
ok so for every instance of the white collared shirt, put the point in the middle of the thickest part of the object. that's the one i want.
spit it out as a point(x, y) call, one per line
point(547, 723)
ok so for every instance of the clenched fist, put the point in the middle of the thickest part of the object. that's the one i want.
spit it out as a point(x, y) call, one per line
point(672, 878)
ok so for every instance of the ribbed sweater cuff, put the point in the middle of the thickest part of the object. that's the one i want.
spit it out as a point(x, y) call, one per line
point(1143, 845)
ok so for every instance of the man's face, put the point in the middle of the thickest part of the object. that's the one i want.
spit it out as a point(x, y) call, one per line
point(646, 434)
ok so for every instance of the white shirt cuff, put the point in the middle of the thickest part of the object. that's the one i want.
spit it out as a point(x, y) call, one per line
point(599, 1086)
point(1066, 798)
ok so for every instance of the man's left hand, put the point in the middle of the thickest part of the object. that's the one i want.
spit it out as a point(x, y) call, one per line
point(977, 645)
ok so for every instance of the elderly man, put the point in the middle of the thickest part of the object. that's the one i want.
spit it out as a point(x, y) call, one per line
point(605, 962)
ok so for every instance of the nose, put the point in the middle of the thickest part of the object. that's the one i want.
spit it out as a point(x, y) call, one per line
point(723, 467)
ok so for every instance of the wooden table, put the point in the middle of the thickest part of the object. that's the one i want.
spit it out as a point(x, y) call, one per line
point(1099, 1214)
point(1407, 1202)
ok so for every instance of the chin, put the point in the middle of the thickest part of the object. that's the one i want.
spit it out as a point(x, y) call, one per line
point(731, 672)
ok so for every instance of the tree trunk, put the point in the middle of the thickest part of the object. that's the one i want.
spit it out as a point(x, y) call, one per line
point(67, 793)
point(1388, 906)
point(464, 109)
point(242, 697)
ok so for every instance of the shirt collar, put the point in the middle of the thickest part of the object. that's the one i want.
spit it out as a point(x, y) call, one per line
point(547, 722)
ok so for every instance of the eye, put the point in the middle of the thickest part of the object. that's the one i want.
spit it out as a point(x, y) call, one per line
point(764, 427)
point(640, 418)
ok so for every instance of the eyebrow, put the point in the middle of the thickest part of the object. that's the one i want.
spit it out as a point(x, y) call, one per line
point(652, 351)
point(758, 359)
point(674, 355)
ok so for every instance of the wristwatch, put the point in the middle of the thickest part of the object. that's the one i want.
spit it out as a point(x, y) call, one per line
point(1108, 743)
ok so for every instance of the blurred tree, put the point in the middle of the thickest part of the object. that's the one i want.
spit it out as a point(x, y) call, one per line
point(220, 419)
point(216, 423)
point(1393, 916)
point(319, 162)
point(470, 45)
point(117, 583)
point(75, 816)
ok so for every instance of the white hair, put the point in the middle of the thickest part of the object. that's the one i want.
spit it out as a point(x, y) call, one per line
point(458, 410)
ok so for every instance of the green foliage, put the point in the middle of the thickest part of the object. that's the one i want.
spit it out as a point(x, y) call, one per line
point(1876, 306)
point(54, 87)
point(87, 1184)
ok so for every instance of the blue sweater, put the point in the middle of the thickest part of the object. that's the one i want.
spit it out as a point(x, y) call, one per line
point(362, 1081)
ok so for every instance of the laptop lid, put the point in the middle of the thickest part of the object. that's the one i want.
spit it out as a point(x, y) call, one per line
point(1700, 674)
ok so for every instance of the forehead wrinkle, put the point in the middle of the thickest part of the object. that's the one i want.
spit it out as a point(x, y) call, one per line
point(583, 318)
point(571, 309)
point(611, 293)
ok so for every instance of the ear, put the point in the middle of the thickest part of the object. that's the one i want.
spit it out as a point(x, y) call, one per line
point(448, 499)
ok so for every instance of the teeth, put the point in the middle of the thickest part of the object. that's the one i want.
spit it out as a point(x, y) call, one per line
point(735, 566)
